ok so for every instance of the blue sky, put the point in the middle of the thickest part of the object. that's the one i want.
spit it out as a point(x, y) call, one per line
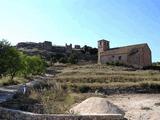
point(122, 22)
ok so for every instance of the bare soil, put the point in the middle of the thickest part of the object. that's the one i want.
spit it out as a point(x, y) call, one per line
point(138, 106)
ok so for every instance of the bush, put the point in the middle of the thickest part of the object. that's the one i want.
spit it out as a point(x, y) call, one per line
point(156, 64)
point(63, 60)
point(73, 59)
point(84, 89)
point(153, 86)
point(32, 65)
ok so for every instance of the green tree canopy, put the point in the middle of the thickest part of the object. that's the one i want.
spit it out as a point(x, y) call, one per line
point(12, 62)
point(73, 59)
point(32, 65)
point(9, 59)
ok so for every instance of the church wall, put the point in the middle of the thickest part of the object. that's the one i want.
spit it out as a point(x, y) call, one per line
point(121, 58)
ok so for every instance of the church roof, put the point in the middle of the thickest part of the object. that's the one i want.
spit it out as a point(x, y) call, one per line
point(103, 40)
point(124, 50)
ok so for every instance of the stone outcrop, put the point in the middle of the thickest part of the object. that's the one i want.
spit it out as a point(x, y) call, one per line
point(46, 45)
point(96, 106)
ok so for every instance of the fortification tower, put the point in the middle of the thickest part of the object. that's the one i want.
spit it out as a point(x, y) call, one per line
point(103, 45)
point(47, 45)
point(68, 48)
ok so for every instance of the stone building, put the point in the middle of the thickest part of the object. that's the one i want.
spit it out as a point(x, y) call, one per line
point(77, 47)
point(138, 56)
point(68, 48)
point(47, 45)
point(47, 51)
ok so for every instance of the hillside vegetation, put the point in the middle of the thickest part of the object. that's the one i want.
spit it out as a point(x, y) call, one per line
point(14, 63)
point(74, 83)
point(89, 78)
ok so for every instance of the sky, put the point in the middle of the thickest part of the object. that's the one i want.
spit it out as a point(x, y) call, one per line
point(83, 22)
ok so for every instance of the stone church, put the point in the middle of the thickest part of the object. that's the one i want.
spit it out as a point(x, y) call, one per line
point(138, 56)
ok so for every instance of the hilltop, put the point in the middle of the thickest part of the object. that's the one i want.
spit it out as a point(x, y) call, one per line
point(58, 53)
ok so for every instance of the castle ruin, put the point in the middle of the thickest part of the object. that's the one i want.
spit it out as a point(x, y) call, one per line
point(48, 51)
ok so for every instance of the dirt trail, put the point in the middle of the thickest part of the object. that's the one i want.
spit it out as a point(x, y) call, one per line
point(138, 106)
point(8, 92)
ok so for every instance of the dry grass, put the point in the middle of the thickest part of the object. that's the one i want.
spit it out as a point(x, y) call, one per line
point(51, 99)
point(17, 80)
point(95, 76)
point(56, 102)
point(73, 80)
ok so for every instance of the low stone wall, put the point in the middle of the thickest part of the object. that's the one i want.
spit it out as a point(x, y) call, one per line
point(8, 114)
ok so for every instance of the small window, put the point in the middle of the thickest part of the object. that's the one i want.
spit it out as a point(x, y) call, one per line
point(112, 56)
point(100, 43)
point(119, 57)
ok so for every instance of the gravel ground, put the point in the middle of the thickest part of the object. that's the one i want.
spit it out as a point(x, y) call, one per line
point(138, 106)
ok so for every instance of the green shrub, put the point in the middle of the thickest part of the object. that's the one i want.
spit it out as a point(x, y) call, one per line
point(73, 59)
point(84, 89)
point(32, 65)
point(63, 60)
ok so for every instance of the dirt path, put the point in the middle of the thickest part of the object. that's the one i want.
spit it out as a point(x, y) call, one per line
point(8, 92)
point(138, 106)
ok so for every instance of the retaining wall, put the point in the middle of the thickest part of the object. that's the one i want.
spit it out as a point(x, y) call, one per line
point(9, 114)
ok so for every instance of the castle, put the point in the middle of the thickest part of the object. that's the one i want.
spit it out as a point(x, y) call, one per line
point(46, 45)
point(138, 56)
point(48, 51)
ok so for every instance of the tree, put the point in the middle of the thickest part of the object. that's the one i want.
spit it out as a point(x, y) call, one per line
point(9, 59)
point(93, 51)
point(13, 62)
point(38, 65)
point(85, 48)
point(4, 46)
point(32, 65)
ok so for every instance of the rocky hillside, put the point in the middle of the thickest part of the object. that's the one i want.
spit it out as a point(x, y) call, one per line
point(49, 51)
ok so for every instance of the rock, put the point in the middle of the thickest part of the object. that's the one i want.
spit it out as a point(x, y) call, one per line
point(96, 106)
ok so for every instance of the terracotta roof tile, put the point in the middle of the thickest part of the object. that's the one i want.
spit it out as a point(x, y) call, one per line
point(123, 50)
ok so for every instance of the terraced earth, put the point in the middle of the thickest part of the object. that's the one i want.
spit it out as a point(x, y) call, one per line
point(108, 79)
point(72, 84)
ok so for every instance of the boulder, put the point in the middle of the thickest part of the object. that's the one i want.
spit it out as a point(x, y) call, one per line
point(96, 106)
